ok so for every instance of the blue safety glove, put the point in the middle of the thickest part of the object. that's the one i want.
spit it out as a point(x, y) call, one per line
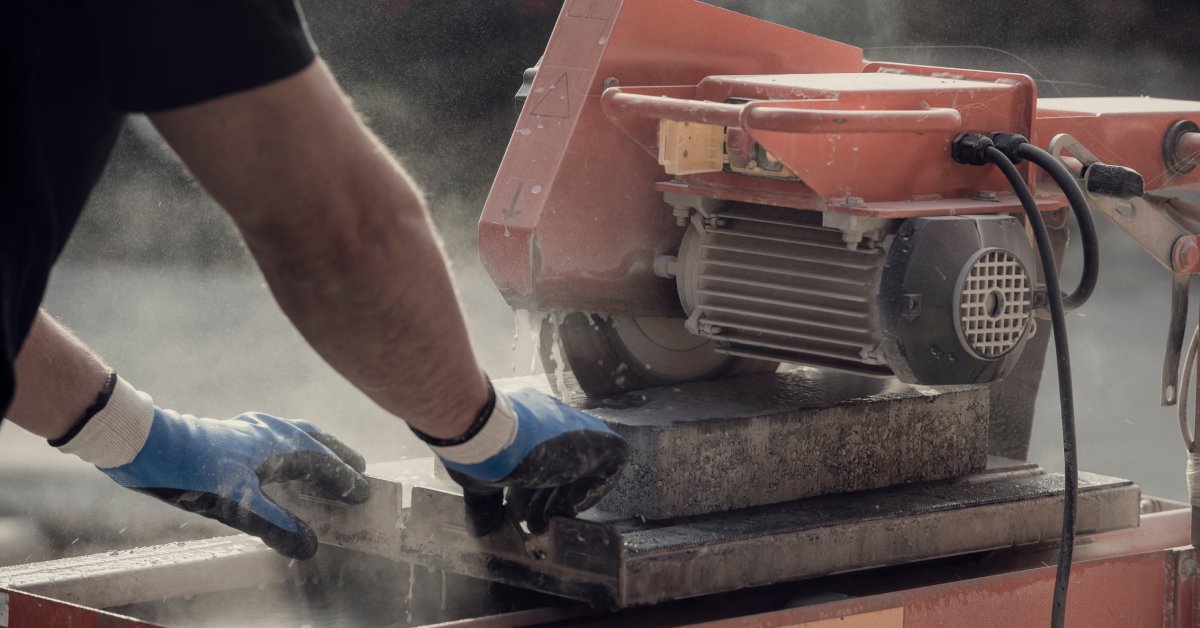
point(550, 459)
point(217, 468)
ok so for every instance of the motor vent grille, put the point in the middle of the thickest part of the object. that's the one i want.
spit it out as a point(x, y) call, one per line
point(770, 285)
point(994, 304)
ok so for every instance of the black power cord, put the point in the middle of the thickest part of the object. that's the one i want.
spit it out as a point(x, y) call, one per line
point(977, 150)
point(1017, 148)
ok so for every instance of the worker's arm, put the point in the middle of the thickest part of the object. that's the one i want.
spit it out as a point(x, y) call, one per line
point(342, 235)
point(58, 378)
point(214, 468)
point(343, 238)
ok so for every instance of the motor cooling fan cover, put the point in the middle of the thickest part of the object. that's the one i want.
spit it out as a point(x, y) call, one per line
point(956, 299)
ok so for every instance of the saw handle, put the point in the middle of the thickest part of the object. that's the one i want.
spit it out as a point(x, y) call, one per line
point(787, 116)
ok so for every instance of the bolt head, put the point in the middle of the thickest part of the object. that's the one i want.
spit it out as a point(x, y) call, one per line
point(1185, 256)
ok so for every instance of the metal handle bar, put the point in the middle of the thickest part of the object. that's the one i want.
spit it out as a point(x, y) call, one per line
point(762, 115)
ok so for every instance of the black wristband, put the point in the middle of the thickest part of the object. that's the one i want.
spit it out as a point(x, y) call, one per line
point(480, 421)
point(99, 404)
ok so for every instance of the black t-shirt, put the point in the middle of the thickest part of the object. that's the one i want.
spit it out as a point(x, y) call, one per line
point(69, 72)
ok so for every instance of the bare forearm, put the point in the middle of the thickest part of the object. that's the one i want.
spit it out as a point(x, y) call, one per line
point(58, 378)
point(378, 304)
point(343, 239)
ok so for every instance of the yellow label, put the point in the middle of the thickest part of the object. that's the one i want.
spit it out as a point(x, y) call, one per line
point(690, 148)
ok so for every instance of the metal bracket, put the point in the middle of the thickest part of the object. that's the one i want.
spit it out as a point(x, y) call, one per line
point(1175, 334)
point(1147, 222)
point(1151, 224)
point(855, 228)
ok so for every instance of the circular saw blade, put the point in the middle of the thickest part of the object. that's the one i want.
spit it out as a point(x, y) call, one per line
point(611, 355)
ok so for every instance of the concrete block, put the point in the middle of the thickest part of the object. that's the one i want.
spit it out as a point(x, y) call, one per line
point(749, 441)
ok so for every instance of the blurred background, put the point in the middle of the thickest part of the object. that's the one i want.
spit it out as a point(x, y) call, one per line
point(158, 281)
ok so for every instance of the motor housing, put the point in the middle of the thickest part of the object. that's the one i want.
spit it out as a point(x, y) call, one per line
point(934, 301)
point(956, 298)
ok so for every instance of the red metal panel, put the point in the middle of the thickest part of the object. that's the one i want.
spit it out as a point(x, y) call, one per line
point(881, 136)
point(896, 166)
point(26, 610)
point(1135, 577)
point(764, 191)
point(1123, 131)
point(573, 220)
point(1117, 592)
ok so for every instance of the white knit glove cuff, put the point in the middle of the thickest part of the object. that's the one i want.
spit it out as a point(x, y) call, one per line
point(498, 433)
point(116, 434)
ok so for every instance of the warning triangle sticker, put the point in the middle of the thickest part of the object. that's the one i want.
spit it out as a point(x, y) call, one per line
point(556, 102)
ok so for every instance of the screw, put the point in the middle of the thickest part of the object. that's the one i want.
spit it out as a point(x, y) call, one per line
point(854, 201)
point(912, 307)
point(682, 215)
point(1187, 567)
point(1039, 298)
point(1185, 255)
point(987, 195)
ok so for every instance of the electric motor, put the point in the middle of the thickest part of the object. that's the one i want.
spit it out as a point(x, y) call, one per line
point(935, 301)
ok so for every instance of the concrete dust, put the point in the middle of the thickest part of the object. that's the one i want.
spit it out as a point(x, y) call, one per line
point(1117, 347)
point(158, 282)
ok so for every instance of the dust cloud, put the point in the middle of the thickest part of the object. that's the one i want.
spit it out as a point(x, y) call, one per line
point(159, 283)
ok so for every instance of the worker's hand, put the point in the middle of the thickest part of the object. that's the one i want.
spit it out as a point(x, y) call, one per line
point(559, 462)
point(217, 468)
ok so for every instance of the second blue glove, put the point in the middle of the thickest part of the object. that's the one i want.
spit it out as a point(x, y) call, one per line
point(557, 461)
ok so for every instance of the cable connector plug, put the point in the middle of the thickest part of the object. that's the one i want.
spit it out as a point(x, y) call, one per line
point(1115, 181)
point(970, 149)
point(1009, 143)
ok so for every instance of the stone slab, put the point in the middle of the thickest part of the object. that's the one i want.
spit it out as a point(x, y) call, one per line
point(629, 562)
point(749, 441)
